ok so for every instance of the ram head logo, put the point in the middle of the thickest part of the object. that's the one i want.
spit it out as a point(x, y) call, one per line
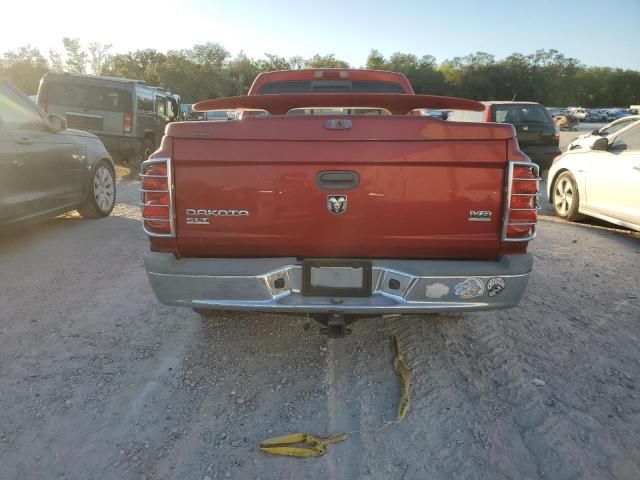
point(337, 204)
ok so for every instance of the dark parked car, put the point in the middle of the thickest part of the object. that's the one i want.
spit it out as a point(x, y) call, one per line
point(129, 116)
point(537, 133)
point(47, 169)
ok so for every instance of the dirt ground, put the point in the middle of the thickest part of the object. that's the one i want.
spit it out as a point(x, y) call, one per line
point(100, 381)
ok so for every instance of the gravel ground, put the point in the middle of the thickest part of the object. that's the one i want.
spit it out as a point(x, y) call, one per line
point(100, 381)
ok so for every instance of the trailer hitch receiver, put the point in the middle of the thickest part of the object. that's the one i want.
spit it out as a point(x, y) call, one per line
point(335, 325)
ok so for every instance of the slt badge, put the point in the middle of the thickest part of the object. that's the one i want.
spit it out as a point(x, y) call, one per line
point(337, 204)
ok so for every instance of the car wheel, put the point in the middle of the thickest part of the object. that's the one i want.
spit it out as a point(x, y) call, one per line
point(141, 155)
point(565, 197)
point(101, 194)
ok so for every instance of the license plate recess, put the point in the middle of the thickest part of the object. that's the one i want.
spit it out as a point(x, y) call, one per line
point(336, 278)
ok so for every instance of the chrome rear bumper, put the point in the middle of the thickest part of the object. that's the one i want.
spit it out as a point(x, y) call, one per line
point(421, 286)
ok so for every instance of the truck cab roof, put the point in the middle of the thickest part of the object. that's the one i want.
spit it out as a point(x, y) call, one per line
point(341, 76)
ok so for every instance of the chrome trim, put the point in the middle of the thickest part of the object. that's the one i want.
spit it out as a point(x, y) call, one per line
point(507, 203)
point(423, 286)
point(171, 206)
point(142, 204)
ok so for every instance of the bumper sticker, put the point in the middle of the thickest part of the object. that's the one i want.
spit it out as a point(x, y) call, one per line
point(470, 288)
point(437, 290)
point(495, 286)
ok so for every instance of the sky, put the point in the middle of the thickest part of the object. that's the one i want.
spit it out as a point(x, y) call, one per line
point(598, 33)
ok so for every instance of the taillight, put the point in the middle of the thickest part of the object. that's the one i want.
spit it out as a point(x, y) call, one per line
point(157, 198)
point(127, 123)
point(521, 212)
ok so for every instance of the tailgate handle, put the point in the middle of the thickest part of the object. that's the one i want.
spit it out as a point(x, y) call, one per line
point(338, 180)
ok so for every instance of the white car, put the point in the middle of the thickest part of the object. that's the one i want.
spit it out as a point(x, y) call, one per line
point(602, 181)
point(578, 112)
point(608, 131)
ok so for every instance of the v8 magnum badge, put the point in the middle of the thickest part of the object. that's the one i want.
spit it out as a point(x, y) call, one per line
point(470, 288)
point(337, 204)
point(479, 216)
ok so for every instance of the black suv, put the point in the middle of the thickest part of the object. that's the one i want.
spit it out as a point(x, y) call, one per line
point(538, 135)
point(128, 115)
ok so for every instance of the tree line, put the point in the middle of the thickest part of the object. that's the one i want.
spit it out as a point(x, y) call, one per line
point(209, 71)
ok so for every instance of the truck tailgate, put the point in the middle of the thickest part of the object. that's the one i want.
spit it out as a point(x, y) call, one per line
point(251, 188)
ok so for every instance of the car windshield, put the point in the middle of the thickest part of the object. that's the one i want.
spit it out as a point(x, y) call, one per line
point(519, 113)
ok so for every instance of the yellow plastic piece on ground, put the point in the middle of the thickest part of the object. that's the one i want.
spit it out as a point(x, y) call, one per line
point(282, 445)
point(405, 379)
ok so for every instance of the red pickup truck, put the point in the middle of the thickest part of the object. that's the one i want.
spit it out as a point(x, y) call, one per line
point(339, 200)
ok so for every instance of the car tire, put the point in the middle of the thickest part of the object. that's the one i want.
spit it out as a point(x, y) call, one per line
point(141, 155)
point(565, 197)
point(101, 192)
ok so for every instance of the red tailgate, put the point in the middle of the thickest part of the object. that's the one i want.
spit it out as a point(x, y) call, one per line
point(418, 181)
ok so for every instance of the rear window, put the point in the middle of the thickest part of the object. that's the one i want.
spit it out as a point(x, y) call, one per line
point(145, 102)
point(90, 97)
point(338, 111)
point(330, 86)
point(518, 113)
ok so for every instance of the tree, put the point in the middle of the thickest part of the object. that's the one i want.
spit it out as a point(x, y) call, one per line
point(208, 54)
point(98, 57)
point(242, 70)
point(23, 67)
point(296, 62)
point(421, 72)
point(56, 63)
point(208, 70)
point(76, 58)
point(325, 61)
point(273, 63)
point(376, 60)
point(139, 65)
